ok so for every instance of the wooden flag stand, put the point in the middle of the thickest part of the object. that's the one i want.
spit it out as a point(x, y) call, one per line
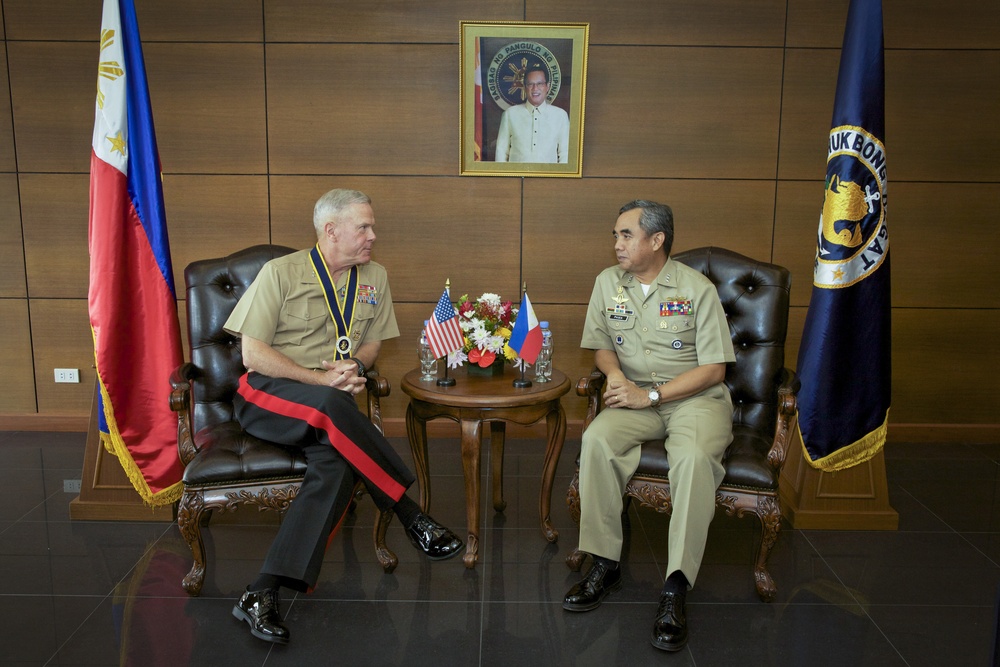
point(853, 499)
point(106, 494)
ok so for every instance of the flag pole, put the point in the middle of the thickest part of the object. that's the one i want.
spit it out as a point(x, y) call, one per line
point(522, 382)
point(446, 381)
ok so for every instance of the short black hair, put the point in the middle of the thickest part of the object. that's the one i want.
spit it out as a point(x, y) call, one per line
point(536, 66)
point(654, 218)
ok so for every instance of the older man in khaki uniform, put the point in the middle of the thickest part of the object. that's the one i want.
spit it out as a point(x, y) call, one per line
point(660, 335)
point(310, 324)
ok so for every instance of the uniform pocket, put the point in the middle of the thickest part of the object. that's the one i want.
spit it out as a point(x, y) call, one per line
point(301, 316)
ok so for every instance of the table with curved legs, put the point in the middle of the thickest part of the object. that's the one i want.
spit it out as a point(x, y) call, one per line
point(471, 401)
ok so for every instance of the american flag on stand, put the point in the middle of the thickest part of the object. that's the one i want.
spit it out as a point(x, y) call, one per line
point(444, 334)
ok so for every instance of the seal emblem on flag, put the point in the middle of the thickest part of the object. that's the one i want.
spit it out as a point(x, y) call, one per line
point(852, 239)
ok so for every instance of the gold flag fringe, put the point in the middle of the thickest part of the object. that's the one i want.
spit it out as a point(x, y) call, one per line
point(851, 455)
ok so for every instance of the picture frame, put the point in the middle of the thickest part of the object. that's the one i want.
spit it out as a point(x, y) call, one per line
point(521, 84)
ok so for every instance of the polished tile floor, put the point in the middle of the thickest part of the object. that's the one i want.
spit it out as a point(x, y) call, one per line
point(95, 593)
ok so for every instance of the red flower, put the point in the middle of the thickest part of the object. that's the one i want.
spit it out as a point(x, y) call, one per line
point(483, 358)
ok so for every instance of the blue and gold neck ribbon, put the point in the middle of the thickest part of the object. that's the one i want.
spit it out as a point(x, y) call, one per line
point(341, 312)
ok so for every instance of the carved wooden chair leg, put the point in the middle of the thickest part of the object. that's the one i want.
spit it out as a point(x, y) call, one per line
point(573, 499)
point(770, 522)
point(190, 513)
point(386, 558)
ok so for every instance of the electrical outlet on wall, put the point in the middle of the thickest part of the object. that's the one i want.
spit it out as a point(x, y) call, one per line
point(67, 375)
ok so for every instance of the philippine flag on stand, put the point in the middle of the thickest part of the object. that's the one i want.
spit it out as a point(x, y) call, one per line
point(133, 307)
point(526, 338)
point(444, 333)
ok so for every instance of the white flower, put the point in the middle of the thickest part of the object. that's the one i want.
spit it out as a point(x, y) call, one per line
point(491, 299)
point(456, 359)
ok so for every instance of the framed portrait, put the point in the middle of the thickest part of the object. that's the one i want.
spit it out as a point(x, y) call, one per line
point(523, 90)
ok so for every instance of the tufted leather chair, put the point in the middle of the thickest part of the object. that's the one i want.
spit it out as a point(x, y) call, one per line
point(224, 466)
point(755, 296)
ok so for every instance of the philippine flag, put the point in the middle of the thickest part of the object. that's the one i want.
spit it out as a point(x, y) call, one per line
point(526, 338)
point(133, 307)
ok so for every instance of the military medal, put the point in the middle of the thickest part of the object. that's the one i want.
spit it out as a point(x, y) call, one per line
point(343, 315)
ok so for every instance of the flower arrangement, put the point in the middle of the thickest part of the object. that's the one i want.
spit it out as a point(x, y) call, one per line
point(487, 323)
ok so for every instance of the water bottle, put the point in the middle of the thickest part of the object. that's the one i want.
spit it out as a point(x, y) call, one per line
point(543, 364)
point(428, 362)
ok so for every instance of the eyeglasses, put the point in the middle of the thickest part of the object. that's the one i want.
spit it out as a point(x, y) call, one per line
point(540, 84)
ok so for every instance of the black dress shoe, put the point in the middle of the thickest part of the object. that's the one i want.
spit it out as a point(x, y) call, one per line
point(670, 632)
point(260, 610)
point(601, 580)
point(433, 539)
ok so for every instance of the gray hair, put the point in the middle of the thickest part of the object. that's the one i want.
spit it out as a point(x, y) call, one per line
point(654, 218)
point(329, 206)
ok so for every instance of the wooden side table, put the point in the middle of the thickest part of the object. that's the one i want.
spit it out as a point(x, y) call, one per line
point(472, 401)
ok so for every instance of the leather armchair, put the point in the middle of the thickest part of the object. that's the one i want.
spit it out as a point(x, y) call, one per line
point(225, 467)
point(755, 296)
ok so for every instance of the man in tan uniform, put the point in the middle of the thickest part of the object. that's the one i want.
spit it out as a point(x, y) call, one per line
point(660, 335)
point(310, 324)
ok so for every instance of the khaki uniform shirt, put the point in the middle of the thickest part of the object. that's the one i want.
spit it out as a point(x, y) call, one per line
point(678, 326)
point(285, 307)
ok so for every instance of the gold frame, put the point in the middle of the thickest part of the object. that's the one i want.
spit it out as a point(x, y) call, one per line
point(563, 47)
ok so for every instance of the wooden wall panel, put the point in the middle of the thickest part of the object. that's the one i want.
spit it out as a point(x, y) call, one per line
point(7, 162)
point(427, 229)
point(55, 210)
point(706, 23)
point(392, 21)
point(213, 216)
point(363, 109)
point(669, 112)
point(720, 108)
point(930, 120)
point(796, 223)
point(940, 104)
point(942, 257)
point(58, 20)
point(914, 24)
point(187, 20)
point(57, 328)
point(12, 281)
point(944, 245)
point(809, 88)
point(567, 226)
point(17, 391)
point(208, 106)
point(53, 91)
point(950, 378)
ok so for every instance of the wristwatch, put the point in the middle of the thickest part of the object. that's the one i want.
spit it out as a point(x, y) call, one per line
point(361, 366)
point(654, 397)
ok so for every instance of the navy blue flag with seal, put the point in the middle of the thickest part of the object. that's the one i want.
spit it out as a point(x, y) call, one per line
point(844, 362)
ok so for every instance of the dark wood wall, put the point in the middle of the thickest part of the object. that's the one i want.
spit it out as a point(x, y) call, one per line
point(720, 108)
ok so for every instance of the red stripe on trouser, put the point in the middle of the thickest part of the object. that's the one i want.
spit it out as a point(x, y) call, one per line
point(358, 459)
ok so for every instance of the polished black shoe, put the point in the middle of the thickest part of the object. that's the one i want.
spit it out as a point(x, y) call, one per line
point(433, 539)
point(601, 580)
point(260, 611)
point(670, 631)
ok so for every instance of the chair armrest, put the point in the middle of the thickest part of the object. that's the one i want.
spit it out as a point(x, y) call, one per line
point(180, 402)
point(378, 387)
point(788, 389)
point(590, 387)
